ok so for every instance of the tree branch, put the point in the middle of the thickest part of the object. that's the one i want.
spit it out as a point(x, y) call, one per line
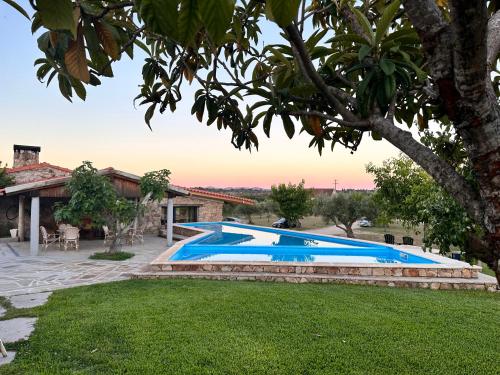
point(310, 71)
point(470, 23)
point(363, 125)
point(435, 34)
point(493, 49)
point(111, 7)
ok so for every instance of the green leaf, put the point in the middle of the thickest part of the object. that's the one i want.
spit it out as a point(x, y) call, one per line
point(149, 114)
point(352, 38)
point(64, 87)
point(267, 122)
point(365, 24)
point(57, 15)
point(17, 7)
point(387, 66)
point(283, 11)
point(363, 52)
point(160, 16)
point(216, 16)
point(189, 21)
point(385, 20)
point(288, 125)
point(79, 88)
point(376, 136)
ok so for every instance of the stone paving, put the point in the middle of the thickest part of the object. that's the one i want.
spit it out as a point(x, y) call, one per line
point(54, 269)
point(18, 329)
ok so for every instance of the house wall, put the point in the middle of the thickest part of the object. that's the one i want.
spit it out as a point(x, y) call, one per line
point(9, 207)
point(22, 177)
point(208, 210)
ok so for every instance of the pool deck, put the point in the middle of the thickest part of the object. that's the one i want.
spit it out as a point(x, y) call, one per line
point(447, 274)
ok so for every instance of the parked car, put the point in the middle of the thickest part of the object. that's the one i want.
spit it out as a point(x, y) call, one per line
point(365, 223)
point(283, 223)
point(233, 219)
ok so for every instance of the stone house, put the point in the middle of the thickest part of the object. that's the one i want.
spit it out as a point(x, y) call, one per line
point(47, 181)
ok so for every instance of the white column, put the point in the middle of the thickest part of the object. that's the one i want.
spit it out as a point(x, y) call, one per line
point(20, 219)
point(34, 225)
point(170, 221)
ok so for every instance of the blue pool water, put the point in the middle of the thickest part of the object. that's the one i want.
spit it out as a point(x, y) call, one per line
point(239, 242)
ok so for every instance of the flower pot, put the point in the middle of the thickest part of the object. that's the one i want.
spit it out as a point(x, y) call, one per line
point(13, 233)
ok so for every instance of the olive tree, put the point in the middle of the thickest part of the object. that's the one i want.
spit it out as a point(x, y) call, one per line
point(341, 71)
point(344, 209)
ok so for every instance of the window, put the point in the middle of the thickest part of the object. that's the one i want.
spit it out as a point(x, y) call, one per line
point(182, 214)
point(185, 214)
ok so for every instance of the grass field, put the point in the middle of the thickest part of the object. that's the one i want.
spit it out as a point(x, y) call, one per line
point(216, 327)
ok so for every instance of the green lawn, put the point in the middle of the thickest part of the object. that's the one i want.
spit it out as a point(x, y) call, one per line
point(216, 327)
point(395, 228)
point(120, 255)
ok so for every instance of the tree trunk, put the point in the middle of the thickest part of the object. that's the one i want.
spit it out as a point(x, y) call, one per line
point(115, 246)
point(349, 232)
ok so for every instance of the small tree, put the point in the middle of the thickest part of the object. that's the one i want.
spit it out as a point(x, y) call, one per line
point(293, 202)
point(406, 192)
point(94, 197)
point(5, 179)
point(344, 209)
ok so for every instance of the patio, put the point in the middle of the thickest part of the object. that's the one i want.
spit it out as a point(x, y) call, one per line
point(52, 269)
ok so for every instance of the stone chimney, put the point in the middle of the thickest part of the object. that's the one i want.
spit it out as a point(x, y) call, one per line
point(26, 155)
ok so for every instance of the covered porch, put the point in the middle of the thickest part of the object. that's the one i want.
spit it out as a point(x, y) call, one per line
point(35, 203)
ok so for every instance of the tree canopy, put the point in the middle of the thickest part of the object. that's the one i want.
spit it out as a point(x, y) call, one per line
point(345, 208)
point(293, 202)
point(5, 178)
point(94, 198)
point(406, 192)
point(340, 71)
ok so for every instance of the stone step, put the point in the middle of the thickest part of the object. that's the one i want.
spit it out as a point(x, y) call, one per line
point(483, 282)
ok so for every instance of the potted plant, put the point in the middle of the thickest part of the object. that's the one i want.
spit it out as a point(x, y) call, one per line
point(12, 230)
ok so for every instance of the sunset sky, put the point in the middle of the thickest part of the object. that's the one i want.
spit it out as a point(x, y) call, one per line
point(109, 131)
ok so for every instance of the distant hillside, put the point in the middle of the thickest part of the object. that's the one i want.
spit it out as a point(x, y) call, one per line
point(261, 193)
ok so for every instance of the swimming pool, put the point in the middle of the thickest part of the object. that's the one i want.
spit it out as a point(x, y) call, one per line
point(246, 243)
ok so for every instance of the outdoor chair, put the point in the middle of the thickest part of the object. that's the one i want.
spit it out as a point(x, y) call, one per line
point(49, 238)
point(108, 234)
point(389, 238)
point(407, 240)
point(71, 237)
point(60, 229)
point(136, 234)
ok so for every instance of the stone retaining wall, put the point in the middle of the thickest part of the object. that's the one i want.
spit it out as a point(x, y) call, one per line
point(185, 231)
point(361, 270)
point(445, 284)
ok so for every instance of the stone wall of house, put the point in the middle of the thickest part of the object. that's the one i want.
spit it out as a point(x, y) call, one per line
point(38, 174)
point(8, 215)
point(208, 210)
point(9, 207)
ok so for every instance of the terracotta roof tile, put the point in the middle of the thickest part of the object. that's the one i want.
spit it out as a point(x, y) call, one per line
point(221, 196)
point(37, 166)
